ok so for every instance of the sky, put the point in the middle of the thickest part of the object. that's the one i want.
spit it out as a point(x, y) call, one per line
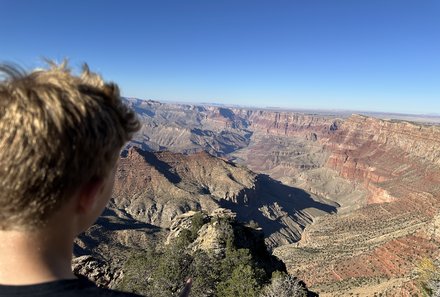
point(366, 55)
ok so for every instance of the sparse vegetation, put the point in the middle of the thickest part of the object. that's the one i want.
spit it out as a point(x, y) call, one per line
point(234, 273)
point(429, 278)
point(284, 285)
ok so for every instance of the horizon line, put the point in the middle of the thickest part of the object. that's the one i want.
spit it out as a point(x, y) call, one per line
point(275, 108)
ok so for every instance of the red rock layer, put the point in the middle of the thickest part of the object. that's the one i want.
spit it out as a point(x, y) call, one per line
point(289, 123)
point(391, 159)
point(399, 163)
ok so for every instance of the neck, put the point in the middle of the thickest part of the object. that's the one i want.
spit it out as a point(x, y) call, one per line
point(37, 256)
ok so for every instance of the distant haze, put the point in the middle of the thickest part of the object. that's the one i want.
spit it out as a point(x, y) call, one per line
point(431, 118)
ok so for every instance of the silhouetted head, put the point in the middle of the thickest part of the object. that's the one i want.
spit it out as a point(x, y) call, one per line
point(58, 132)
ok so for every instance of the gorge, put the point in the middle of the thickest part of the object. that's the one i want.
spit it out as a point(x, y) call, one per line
point(348, 203)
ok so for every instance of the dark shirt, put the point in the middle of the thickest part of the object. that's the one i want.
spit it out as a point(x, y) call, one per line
point(63, 288)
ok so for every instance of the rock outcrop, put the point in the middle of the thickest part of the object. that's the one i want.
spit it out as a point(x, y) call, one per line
point(96, 271)
point(222, 226)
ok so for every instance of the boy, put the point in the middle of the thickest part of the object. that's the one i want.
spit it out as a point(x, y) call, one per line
point(60, 137)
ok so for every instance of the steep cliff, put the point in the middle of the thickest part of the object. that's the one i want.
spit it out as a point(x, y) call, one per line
point(393, 160)
point(310, 126)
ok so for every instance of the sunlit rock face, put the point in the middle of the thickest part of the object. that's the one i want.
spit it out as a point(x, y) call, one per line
point(353, 161)
point(391, 159)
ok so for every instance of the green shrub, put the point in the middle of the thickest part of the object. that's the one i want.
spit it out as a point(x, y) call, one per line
point(242, 283)
point(160, 273)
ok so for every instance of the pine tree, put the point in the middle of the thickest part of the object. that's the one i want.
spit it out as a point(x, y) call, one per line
point(242, 283)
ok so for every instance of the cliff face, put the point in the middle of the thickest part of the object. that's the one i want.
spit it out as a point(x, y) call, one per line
point(312, 127)
point(392, 160)
point(287, 146)
point(222, 226)
point(220, 131)
point(354, 162)
point(369, 160)
point(189, 128)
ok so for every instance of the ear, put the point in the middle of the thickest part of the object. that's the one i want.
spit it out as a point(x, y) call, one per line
point(88, 195)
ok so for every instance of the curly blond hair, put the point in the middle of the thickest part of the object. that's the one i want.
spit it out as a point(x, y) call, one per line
point(58, 131)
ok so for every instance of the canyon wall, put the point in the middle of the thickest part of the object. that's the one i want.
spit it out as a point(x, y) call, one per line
point(376, 248)
point(391, 159)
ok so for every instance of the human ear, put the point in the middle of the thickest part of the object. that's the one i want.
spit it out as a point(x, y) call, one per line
point(88, 195)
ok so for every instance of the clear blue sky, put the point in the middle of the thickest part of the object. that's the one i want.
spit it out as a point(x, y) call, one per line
point(377, 55)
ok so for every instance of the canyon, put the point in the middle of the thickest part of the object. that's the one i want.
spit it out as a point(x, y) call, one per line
point(348, 202)
point(156, 187)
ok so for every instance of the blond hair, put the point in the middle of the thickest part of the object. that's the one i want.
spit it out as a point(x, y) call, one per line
point(58, 131)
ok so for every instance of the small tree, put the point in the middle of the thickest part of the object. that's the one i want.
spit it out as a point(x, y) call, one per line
point(233, 258)
point(197, 222)
point(284, 285)
point(242, 283)
point(171, 269)
point(205, 273)
point(137, 270)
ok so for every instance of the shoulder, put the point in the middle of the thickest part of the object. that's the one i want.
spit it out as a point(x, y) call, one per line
point(65, 288)
point(105, 292)
point(87, 288)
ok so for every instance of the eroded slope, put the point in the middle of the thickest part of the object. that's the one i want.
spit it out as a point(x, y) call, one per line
point(156, 187)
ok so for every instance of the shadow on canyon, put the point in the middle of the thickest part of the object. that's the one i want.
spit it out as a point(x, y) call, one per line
point(109, 220)
point(281, 204)
point(280, 210)
point(107, 223)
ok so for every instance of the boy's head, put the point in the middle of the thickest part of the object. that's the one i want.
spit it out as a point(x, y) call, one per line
point(58, 132)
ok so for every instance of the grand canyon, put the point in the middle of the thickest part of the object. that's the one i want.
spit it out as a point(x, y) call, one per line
point(348, 202)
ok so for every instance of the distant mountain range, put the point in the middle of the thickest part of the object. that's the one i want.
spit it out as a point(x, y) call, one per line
point(431, 118)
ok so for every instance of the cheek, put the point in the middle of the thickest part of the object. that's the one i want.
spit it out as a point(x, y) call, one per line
point(108, 189)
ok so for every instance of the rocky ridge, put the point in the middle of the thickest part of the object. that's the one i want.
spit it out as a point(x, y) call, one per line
point(217, 228)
